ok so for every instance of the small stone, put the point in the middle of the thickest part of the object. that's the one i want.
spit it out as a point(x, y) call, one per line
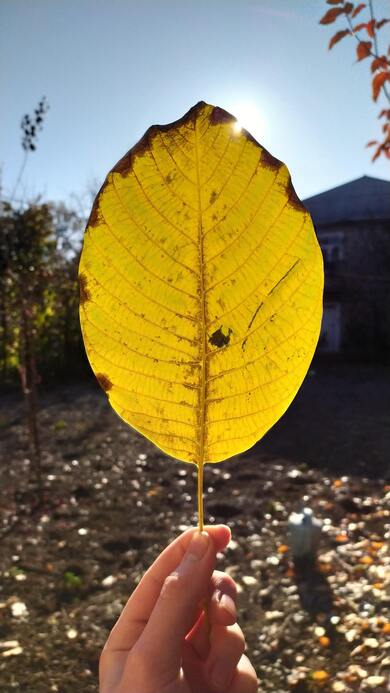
point(372, 643)
point(357, 650)
point(19, 610)
point(319, 631)
point(256, 564)
point(357, 670)
point(109, 581)
point(294, 474)
point(232, 570)
point(374, 681)
point(82, 532)
point(112, 610)
point(14, 651)
point(273, 560)
point(274, 615)
point(290, 590)
point(339, 687)
point(351, 635)
point(72, 633)
point(8, 644)
point(249, 580)
point(298, 618)
point(233, 545)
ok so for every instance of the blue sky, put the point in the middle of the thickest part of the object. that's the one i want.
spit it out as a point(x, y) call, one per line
point(109, 69)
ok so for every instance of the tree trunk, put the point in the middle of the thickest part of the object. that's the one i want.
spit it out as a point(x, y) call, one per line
point(28, 378)
point(4, 330)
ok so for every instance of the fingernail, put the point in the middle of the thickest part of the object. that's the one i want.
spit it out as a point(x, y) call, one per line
point(227, 603)
point(221, 673)
point(195, 551)
point(198, 545)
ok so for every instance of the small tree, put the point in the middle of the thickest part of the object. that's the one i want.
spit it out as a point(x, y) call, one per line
point(24, 248)
point(380, 61)
point(27, 248)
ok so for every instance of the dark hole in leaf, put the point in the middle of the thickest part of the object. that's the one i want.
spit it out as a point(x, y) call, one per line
point(219, 339)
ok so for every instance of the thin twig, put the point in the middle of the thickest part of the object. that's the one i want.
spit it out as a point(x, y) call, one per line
point(373, 55)
point(20, 174)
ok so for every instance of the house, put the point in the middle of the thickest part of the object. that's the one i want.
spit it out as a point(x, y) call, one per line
point(352, 222)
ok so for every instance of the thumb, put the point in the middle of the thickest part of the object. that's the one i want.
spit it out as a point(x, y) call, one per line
point(176, 608)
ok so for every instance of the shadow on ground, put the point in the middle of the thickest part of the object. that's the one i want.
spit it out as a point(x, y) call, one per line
point(340, 421)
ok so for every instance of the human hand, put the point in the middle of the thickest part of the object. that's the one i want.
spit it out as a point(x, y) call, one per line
point(162, 642)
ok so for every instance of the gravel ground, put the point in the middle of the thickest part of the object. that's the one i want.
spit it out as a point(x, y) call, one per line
point(113, 501)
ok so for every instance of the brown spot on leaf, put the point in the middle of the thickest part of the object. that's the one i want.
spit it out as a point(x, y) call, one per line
point(219, 339)
point(94, 216)
point(124, 165)
point(293, 199)
point(104, 381)
point(269, 161)
point(219, 116)
point(85, 294)
point(213, 197)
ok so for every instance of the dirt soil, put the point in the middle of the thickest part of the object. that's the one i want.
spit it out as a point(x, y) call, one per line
point(113, 501)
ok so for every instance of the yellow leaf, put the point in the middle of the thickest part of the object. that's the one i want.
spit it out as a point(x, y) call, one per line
point(201, 284)
point(283, 548)
point(320, 676)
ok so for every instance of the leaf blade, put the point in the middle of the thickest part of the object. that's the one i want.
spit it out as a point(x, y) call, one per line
point(202, 280)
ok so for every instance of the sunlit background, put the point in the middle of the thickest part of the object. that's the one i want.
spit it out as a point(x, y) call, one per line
point(111, 69)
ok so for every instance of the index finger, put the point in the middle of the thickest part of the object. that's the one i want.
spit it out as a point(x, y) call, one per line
point(139, 607)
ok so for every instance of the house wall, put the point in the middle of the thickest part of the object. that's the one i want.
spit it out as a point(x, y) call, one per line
point(357, 289)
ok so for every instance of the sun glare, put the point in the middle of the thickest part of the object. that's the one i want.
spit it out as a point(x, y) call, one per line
point(248, 117)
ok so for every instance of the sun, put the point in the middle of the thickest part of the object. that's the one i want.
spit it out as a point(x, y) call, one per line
point(249, 117)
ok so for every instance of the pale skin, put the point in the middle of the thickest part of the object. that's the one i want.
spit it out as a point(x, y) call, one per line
point(162, 642)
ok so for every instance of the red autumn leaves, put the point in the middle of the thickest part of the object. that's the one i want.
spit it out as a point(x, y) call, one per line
point(380, 64)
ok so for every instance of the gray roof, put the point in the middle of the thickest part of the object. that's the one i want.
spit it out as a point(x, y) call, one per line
point(362, 199)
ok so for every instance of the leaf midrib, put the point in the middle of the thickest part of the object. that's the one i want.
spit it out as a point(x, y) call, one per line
point(202, 314)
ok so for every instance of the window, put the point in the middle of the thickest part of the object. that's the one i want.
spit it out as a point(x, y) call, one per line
point(332, 247)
